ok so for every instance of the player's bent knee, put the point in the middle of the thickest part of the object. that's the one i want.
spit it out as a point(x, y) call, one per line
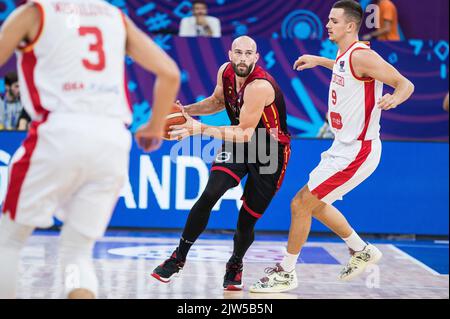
point(218, 184)
point(210, 194)
point(296, 204)
point(299, 208)
point(303, 203)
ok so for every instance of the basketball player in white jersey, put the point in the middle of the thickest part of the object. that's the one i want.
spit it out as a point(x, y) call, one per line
point(355, 106)
point(74, 160)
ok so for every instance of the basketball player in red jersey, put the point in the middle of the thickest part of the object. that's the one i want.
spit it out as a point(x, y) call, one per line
point(74, 160)
point(256, 108)
point(355, 104)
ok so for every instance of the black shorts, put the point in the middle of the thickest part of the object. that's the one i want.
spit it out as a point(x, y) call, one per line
point(265, 173)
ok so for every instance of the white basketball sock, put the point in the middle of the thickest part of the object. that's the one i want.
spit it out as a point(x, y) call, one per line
point(355, 242)
point(289, 261)
point(13, 237)
point(76, 261)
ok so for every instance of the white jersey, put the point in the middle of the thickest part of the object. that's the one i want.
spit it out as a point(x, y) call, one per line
point(77, 62)
point(352, 110)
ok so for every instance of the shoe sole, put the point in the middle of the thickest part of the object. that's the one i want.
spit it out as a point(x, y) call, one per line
point(233, 288)
point(158, 277)
point(356, 274)
point(272, 290)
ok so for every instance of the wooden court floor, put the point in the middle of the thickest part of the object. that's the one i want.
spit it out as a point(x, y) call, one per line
point(124, 264)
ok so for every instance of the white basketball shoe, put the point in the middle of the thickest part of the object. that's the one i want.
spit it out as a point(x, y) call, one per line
point(277, 280)
point(359, 261)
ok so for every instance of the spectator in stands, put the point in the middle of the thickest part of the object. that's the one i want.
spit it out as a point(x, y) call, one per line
point(388, 22)
point(200, 24)
point(12, 114)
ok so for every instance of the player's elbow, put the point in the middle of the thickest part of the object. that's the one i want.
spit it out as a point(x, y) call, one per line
point(404, 85)
point(168, 72)
point(410, 86)
point(171, 73)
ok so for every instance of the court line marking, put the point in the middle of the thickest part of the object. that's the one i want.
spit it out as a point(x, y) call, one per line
point(415, 261)
point(421, 246)
point(169, 240)
point(218, 278)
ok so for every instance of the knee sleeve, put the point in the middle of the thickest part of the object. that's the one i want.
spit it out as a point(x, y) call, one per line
point(76, 261)
point(218, 184)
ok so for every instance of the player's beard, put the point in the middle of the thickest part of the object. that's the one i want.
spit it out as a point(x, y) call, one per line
point(242, 74)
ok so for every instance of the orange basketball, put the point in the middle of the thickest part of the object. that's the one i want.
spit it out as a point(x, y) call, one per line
point(174, 118)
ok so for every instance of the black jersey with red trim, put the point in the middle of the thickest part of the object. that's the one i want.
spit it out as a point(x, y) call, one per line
point(273, 118)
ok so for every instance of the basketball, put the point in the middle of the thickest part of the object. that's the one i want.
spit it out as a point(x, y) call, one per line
point(174, 118)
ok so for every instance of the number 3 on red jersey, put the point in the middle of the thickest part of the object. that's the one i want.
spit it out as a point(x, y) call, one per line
point(96, 47)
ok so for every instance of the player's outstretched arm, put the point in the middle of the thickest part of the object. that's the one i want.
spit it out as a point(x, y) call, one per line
point(367, 63)
point(21, 25)
point(147, 54)
point(213, 104)
point(311, 61)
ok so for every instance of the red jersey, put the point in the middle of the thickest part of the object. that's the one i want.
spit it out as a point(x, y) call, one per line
point(273, 118)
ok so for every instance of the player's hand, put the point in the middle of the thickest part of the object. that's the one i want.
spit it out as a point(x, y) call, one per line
point(191, 127)
point(305, 62)
point(387, 102)
point(183, 109)
point(149, 137)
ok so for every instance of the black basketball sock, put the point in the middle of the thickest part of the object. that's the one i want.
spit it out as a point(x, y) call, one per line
point(183, 248)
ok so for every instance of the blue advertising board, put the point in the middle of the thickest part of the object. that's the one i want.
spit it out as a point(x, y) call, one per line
point(407, 194)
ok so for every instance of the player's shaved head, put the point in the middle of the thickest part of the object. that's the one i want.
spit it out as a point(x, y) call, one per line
point(243, 55)
point(244, 43)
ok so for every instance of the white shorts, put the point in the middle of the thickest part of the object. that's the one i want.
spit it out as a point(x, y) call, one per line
point(342, 168)
point(72, 167)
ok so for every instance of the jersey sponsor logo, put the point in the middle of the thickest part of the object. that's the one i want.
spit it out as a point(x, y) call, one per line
point(339, 80)
point(73, 86)
point(341, 66)
point(336, 120)
point(223, 157)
